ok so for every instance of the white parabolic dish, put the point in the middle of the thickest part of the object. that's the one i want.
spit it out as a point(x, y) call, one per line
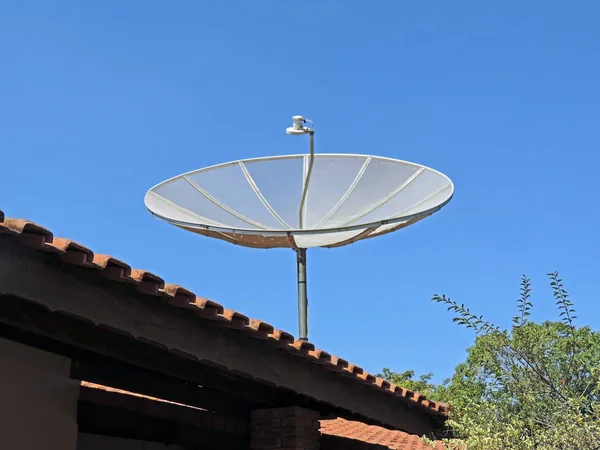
point(255, 202)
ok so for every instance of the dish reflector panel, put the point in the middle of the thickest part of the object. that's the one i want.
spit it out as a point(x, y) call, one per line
point(256, 202)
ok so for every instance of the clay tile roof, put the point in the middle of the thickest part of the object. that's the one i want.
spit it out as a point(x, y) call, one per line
point(371, 434)
point(35, 236)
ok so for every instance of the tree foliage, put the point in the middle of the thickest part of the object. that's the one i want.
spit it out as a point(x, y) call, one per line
point(533, 386)
point(422, 384)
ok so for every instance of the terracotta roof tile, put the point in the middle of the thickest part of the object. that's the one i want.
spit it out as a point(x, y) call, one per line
point(371, 434)
point(283, 338)
point(39, 238)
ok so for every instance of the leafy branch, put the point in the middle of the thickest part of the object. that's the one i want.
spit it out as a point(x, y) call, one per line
point(465, 317)
point(564, 303)
point(523, 303)
point(567, 312)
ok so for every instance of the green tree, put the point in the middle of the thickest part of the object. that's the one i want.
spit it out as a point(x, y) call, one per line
point(533, 386)
point(407, 380)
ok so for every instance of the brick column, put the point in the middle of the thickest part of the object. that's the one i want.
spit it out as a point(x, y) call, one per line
point(290, 428)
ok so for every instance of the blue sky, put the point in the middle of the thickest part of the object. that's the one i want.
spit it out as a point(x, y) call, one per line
point(101, 100)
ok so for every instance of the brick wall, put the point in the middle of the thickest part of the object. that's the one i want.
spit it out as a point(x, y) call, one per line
point(290, 428)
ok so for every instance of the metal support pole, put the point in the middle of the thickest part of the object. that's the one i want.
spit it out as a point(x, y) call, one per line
point(301, 252)
point(302, 297)
point(311, 161)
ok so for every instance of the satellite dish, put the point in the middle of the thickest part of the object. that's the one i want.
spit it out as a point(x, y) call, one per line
point(301, 201)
